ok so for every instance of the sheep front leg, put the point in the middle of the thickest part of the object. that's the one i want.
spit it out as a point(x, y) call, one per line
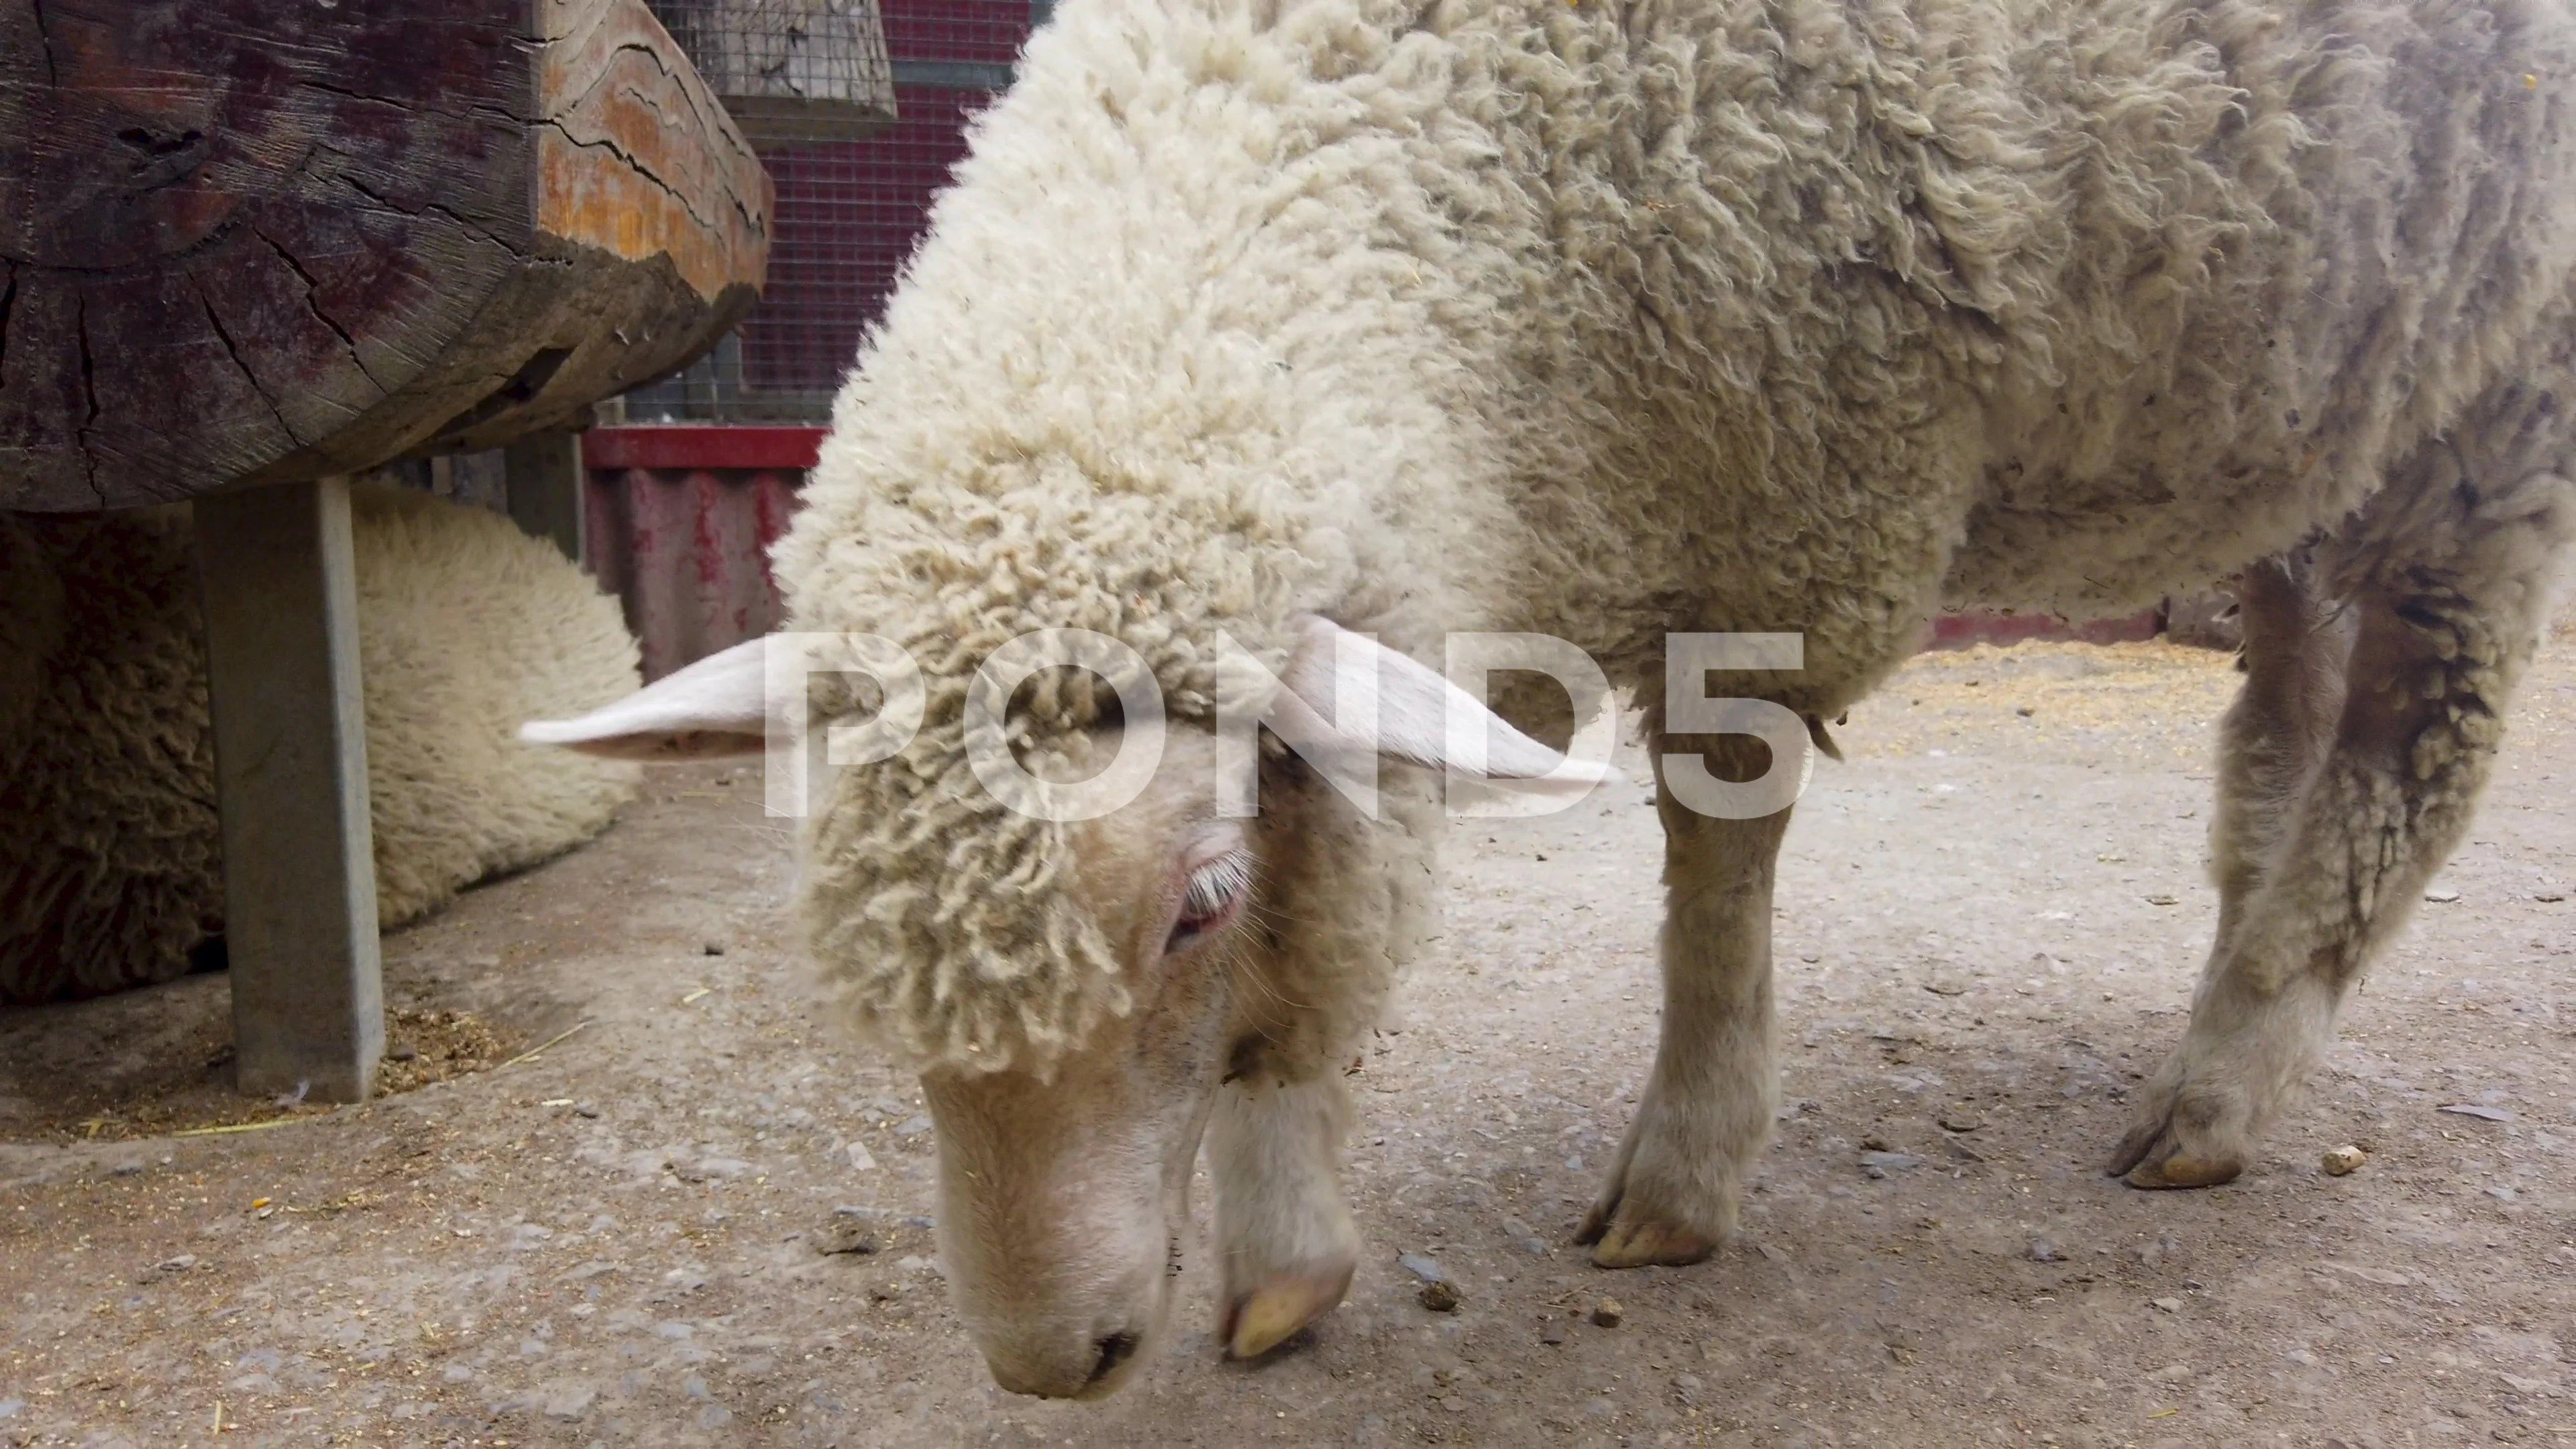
point(1283, 1232)
point(2281, 725)
point(1707, 1108)
point(2445, 616)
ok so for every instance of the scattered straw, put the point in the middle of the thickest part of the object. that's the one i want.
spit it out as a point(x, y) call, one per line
point(531, 1053)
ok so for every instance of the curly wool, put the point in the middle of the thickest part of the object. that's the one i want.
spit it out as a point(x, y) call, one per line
point(110, 854)
point(1604, 320)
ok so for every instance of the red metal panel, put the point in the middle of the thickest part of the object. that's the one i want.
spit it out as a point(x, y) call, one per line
point(707, 447)
point(680, 530)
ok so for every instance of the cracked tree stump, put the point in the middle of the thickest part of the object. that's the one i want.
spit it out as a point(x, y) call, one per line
point(244, 242)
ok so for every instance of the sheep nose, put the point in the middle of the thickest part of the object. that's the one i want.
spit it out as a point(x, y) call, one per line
point(1115, 1349)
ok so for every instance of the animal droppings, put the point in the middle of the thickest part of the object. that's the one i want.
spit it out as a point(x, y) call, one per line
point(1439, 1296)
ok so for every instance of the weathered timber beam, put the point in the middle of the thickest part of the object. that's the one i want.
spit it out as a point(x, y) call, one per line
point(249, 241)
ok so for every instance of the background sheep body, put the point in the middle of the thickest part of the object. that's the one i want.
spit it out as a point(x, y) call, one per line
point(111, 864)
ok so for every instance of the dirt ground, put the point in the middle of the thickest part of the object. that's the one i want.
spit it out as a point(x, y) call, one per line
point(649, 1230)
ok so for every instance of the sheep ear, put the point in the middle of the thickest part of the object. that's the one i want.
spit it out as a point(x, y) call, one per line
point(1422, 718)
point(711, 710)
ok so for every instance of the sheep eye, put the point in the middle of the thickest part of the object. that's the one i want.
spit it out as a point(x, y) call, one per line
point(1209, 897)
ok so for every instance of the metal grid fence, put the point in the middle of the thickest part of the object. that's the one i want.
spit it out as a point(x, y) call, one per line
point(848, 216)
point(792, 72)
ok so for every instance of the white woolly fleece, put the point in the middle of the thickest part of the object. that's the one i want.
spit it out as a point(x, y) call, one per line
point(1609, 319)
point(110, 860)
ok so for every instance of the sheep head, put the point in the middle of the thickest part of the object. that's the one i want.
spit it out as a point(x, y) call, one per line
point(1071, 990)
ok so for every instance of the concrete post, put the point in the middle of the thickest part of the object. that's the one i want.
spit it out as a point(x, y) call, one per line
point(276, 570)
point(545, 489)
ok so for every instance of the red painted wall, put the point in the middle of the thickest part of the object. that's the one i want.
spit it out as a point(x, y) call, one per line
point(680, 522)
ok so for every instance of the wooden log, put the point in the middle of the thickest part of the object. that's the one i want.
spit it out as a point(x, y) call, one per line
point(291, 783)
point(792, 72)
point(246, 241)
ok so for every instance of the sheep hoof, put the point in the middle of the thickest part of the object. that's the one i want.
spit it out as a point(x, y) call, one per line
point(2183, 1169)
point(1646, 1244)
point(1262, 1319)
point(2181, 1138)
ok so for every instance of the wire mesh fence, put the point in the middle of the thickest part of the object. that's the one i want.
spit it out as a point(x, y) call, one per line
point(792, 72)
point(848, 215)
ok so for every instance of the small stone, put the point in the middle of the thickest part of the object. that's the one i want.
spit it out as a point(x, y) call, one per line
point(584, 1109)
point(2172, 1373)
point(2025, 711)
point(1880, 1164)
point(129, 1167)
point(1946, 986)
point(1439, 1296)
point(1607, 1313)
point(713, 948)
point(1420, 1267)
point(2162, 899)
point(2441, 895)
point(1873, 1143)
point(2343, 1161)
point(861, 1160)
point(571, 1404)
point(2166, 1305)
point(845, 1238)
point(913, 1126)
point(1962, 1118)
point(401, 1054)
point(1552, 1331)
point(2044, 1251)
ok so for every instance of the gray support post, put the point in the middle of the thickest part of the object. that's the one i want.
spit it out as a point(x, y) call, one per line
point(545, 489)
point(281, 605)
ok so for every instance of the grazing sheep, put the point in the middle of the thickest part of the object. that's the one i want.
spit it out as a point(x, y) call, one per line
point(1287, 319)
point(111, 868)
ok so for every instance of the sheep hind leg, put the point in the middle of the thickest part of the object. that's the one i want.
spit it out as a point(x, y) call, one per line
point(2446, 597)
point(1707, 1107)
point(1284, 1235)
